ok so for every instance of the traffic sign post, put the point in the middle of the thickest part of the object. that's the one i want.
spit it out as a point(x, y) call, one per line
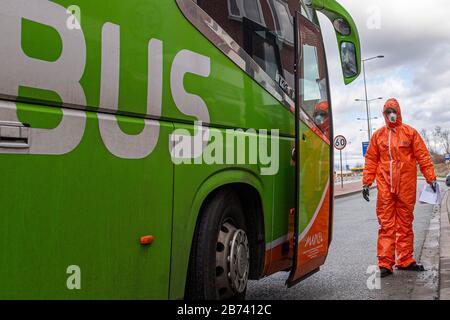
point(365, 146)
point(340, 143)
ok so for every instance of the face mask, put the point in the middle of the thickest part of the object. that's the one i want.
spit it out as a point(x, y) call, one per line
point(320, 119)
point(392, 117)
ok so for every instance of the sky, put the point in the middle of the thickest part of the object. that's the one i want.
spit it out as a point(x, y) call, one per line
point(414, 37)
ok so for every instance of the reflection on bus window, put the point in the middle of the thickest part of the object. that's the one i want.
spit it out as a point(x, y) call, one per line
point(251, 9)
point(264, 51)
point(311, 77)
point(309, 13)
point(321, 117)
point(284, 23)
point(264, 29)
point(348, 52)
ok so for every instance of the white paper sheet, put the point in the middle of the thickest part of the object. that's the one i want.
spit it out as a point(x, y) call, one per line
point(429, 196)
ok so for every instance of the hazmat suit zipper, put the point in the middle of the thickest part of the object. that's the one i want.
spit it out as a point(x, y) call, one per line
point(391, 160)
point(396, 178)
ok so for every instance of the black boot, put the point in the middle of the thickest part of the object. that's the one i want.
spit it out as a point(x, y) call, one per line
point(413, 267)
point(384, 272)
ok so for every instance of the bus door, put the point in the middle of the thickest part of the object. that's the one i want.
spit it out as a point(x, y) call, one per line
point(313, 166)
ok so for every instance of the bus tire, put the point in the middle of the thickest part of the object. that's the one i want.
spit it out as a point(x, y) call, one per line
point(220, 262)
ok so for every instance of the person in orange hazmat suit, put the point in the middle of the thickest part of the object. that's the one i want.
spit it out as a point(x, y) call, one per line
point(391, 159)
point(322, 118)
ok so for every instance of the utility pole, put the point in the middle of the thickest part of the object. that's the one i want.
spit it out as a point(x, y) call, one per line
point(369, 132)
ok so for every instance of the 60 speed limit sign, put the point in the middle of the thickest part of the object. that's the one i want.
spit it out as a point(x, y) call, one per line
point(340, 142)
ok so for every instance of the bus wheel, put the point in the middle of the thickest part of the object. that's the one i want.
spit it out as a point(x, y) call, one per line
point(220, 258)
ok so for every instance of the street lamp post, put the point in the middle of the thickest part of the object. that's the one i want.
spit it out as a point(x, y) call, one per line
point(365, 90)
point(370, 122)
point(369, 118)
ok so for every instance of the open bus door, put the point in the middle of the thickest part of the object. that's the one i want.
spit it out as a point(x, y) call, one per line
point(314, 133)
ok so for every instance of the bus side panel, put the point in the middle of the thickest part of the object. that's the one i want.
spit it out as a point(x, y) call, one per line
point(70, 225)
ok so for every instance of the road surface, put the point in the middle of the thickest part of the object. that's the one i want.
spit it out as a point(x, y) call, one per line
point(352, 252)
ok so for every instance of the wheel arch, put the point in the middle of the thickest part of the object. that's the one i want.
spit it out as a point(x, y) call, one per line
point(251, 202)
point(248, 188)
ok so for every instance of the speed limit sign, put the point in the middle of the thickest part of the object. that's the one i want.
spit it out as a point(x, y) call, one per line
point(340, 142)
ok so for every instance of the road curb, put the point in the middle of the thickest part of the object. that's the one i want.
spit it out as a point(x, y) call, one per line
point(444, 244)
point(351, 193)
point(426, 286)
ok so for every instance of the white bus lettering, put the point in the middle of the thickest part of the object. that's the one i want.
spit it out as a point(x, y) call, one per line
point(116, 141)
point(61, 76)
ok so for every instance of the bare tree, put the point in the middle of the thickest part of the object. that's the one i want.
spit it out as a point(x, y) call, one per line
point(426, 138)
point(437, 137)
point(442, 138)
point(445, 140)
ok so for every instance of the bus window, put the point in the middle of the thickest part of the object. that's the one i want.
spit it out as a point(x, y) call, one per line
point(228, 16)
point(264, 29)
point(250, 9)
point(262, 46)
point(313, 77)
point(309, 13)
point(283, 20)
point(277, 39)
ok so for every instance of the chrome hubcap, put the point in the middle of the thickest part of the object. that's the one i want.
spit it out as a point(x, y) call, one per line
point(239, 261)
point(232, 261)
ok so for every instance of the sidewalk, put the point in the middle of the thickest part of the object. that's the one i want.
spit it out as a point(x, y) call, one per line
point(443, 235)
point(444, 244)
point(356, 187)
point(349, 189)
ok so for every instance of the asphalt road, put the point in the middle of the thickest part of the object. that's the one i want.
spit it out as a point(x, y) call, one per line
point(352, 252)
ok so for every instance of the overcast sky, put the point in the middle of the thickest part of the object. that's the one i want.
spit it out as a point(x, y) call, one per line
point(414, 37)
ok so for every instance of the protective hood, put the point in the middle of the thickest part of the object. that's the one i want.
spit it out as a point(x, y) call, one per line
point(322, 108)
point(393, 103)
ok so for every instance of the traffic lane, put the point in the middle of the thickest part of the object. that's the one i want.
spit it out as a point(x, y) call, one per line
point(353, 250)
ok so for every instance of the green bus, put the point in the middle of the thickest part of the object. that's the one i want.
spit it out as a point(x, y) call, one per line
point(149, 149)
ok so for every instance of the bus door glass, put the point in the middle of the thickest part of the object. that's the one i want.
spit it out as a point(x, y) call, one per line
point(313, 213)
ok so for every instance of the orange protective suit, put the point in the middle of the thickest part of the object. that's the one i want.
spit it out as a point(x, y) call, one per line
point(392, 158)
point(323, 109)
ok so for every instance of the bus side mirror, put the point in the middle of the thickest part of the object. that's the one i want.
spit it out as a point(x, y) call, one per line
point(346, 34)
